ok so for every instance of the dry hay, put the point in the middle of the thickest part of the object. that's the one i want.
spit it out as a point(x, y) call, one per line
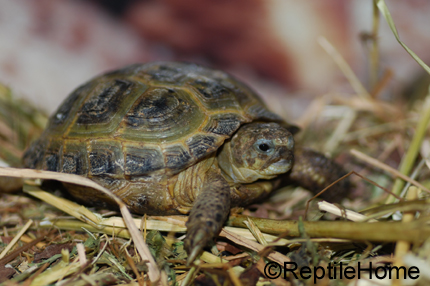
point(47, 239)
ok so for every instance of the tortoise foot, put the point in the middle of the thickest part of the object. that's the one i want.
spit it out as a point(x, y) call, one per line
point(207, 216)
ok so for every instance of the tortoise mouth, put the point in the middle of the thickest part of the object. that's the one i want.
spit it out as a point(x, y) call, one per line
point(282, 166)
point(282, 163)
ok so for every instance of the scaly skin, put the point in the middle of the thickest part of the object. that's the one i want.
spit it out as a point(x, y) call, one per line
point(241, 166)
point(208, 214)
point(257, 151)
point(313, 171)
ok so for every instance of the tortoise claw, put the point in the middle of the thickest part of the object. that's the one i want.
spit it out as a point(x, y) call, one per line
point(194, 244)
point(207, 216)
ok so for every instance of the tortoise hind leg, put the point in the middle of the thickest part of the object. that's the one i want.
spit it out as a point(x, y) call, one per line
point(208, 214)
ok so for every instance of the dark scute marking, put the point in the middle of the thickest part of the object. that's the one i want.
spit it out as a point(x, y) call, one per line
point(51, 162)
point(99, 108)
point(210, 89)
point(156, 109)
point(101, 162)
point(72, 164)
point(224, 125)
point(177, 157)
point(62, 113)
point(165, 73)
point(33, 155)
point(154, 103)
point(143, 164)
point(201, 145)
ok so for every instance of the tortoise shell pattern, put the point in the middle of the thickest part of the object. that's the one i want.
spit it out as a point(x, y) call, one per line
point(145, 122)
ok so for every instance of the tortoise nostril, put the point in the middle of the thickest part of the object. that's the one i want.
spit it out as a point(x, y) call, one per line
point(284, 152)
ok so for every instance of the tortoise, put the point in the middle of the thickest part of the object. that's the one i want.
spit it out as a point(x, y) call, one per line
point(172, 138)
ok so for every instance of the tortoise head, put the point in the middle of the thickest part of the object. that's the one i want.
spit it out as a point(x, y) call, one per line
point(257, 151)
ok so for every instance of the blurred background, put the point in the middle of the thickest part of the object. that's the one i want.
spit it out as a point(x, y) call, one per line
point(49, 47)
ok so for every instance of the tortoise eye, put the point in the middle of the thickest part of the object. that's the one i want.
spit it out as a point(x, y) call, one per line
point(264, 147)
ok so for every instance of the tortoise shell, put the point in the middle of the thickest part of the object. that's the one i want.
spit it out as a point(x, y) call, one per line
point(145, 122)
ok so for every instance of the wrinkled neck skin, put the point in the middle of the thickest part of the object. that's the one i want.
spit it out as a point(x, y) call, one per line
point(235, 174)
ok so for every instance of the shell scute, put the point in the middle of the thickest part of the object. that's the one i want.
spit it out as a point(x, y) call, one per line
point(67, 110)
point(101, 162)
point(105, 106)
point(52, 158)
point(143, 161)
point(245, 96)
point(209, 88)
point(260, 112)
point(157, 109)
point(105, 158)
point(213, 95)
point(102, 106)
point(177, 158)
point(162, 115)
point(145, 121)
point(166, 73)
point(224, 124)
point(75, 158)
point(201, 145)
point(72, 163)
point(33, 157)
point(51, 162)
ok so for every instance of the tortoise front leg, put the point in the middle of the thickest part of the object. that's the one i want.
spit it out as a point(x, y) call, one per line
point(208, 214)
point(314, 171)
